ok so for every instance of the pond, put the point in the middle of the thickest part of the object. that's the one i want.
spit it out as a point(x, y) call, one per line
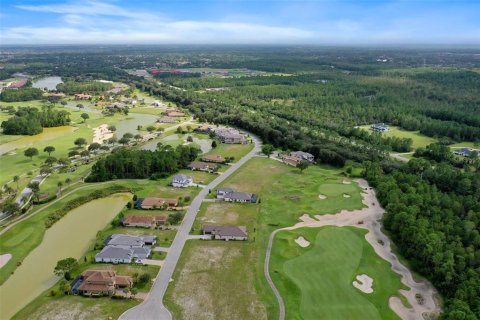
point(27, 141)
point(50, 83)
point(69, 237)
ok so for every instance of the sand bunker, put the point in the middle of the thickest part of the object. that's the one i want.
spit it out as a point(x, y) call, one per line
point(363, 283)
point(4, 258)
point(322, 196)
point(302, 242)
point(101, 133)
point(307, 219)
point(346, 195)
point(346, 182)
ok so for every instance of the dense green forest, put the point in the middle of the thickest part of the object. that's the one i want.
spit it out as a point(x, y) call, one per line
point(21, 94)
point(30, 121)
point(433, 215)
point(142, 164)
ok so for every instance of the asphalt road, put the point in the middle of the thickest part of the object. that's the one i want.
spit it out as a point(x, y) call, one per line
point(152, 307)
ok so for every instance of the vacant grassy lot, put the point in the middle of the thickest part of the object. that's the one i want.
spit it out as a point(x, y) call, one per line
point(74, 307)
point(419, 140)
point(215, 280)
point(316, 281)
point(231, 150)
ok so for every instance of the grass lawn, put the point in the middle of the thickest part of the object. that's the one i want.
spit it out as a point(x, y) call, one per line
point(74, 307)
point(465, 145)
point(50, 185)
point(419, 140)
point(231, 150)
point(148, 110)
point(316, 282)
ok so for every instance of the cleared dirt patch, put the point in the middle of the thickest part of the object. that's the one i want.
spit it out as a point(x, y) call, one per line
point(302, 242)
point(216, 282)
point(363, 283)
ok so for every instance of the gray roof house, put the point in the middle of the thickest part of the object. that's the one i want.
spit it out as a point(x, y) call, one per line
point(226, 232)
point(303, 155)
point(122, 248)
point(379, 127)
point(114, 255)
point(228, 194)
point(465, 152)
point(181, 181)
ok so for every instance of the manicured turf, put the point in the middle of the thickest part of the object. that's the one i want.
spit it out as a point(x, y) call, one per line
point(231, 150)
point(419, 140)
point(316, 282)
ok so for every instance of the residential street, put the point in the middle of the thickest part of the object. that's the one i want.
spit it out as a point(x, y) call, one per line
point(152, 307)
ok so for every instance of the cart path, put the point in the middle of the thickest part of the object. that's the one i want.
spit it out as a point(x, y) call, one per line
point(152, 307)
point(370, 218)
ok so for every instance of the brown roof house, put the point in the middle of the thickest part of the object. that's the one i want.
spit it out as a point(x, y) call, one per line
point(82, 96)
point(202, 166)
point(144, 221)
point(175, 114)
point(157, 203)
point(291, 160)
point(100, 282)
point(226, 232)
point(213, 158)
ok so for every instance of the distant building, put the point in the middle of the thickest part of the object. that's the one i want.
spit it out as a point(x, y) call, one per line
point(181, 181)
point(144, 221)
point(213, 158)
point(82, 96)
point(230, 195)
point(205, 128)
point(100, 282)
point(155, 203)
point(18, 84)
point(122, 248)
point(303, 155)
point(226, 232)
point(381, 127)
point(291, 160)
point(175, 114)
point(203, 166)
point(230, 136)
point(167, 120)
point(464, 152)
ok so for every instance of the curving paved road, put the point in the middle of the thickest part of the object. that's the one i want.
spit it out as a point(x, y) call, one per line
point(152, 307)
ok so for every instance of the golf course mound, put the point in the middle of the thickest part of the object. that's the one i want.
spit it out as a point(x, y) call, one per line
point(302, 242)
point(363, 283)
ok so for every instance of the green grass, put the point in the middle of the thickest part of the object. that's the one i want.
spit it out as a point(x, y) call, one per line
point(285, 195)
point(148, 110)
point(74, 307)
point(464, 144)
point(419, 140)
point(316, 282)
point(231, 150)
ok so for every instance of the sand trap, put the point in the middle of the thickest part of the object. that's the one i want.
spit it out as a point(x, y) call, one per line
point(101, 133)
point(346, 182)
point(4, 258)
point(363, 283)
point(302, 242)
point(307, 219)
point(346, 195)
point(322, 196)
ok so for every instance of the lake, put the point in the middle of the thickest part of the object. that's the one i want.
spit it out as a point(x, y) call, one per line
point(49, 82)
point(71, 236)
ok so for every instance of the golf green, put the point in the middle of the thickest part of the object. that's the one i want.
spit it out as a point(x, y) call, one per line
point(316, 282)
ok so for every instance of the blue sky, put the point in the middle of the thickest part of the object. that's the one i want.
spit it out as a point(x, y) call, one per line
point(240, 22)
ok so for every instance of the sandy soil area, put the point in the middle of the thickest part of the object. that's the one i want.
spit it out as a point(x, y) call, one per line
point(302, 242)
point(322, 196)
point(101, 133)
point(4, 258)
point(363, 283)
point(371, 217)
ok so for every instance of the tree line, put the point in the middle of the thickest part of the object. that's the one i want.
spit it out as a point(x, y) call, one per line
point(30, 121)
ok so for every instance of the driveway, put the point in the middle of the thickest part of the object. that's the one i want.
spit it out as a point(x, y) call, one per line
point(152, 307)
